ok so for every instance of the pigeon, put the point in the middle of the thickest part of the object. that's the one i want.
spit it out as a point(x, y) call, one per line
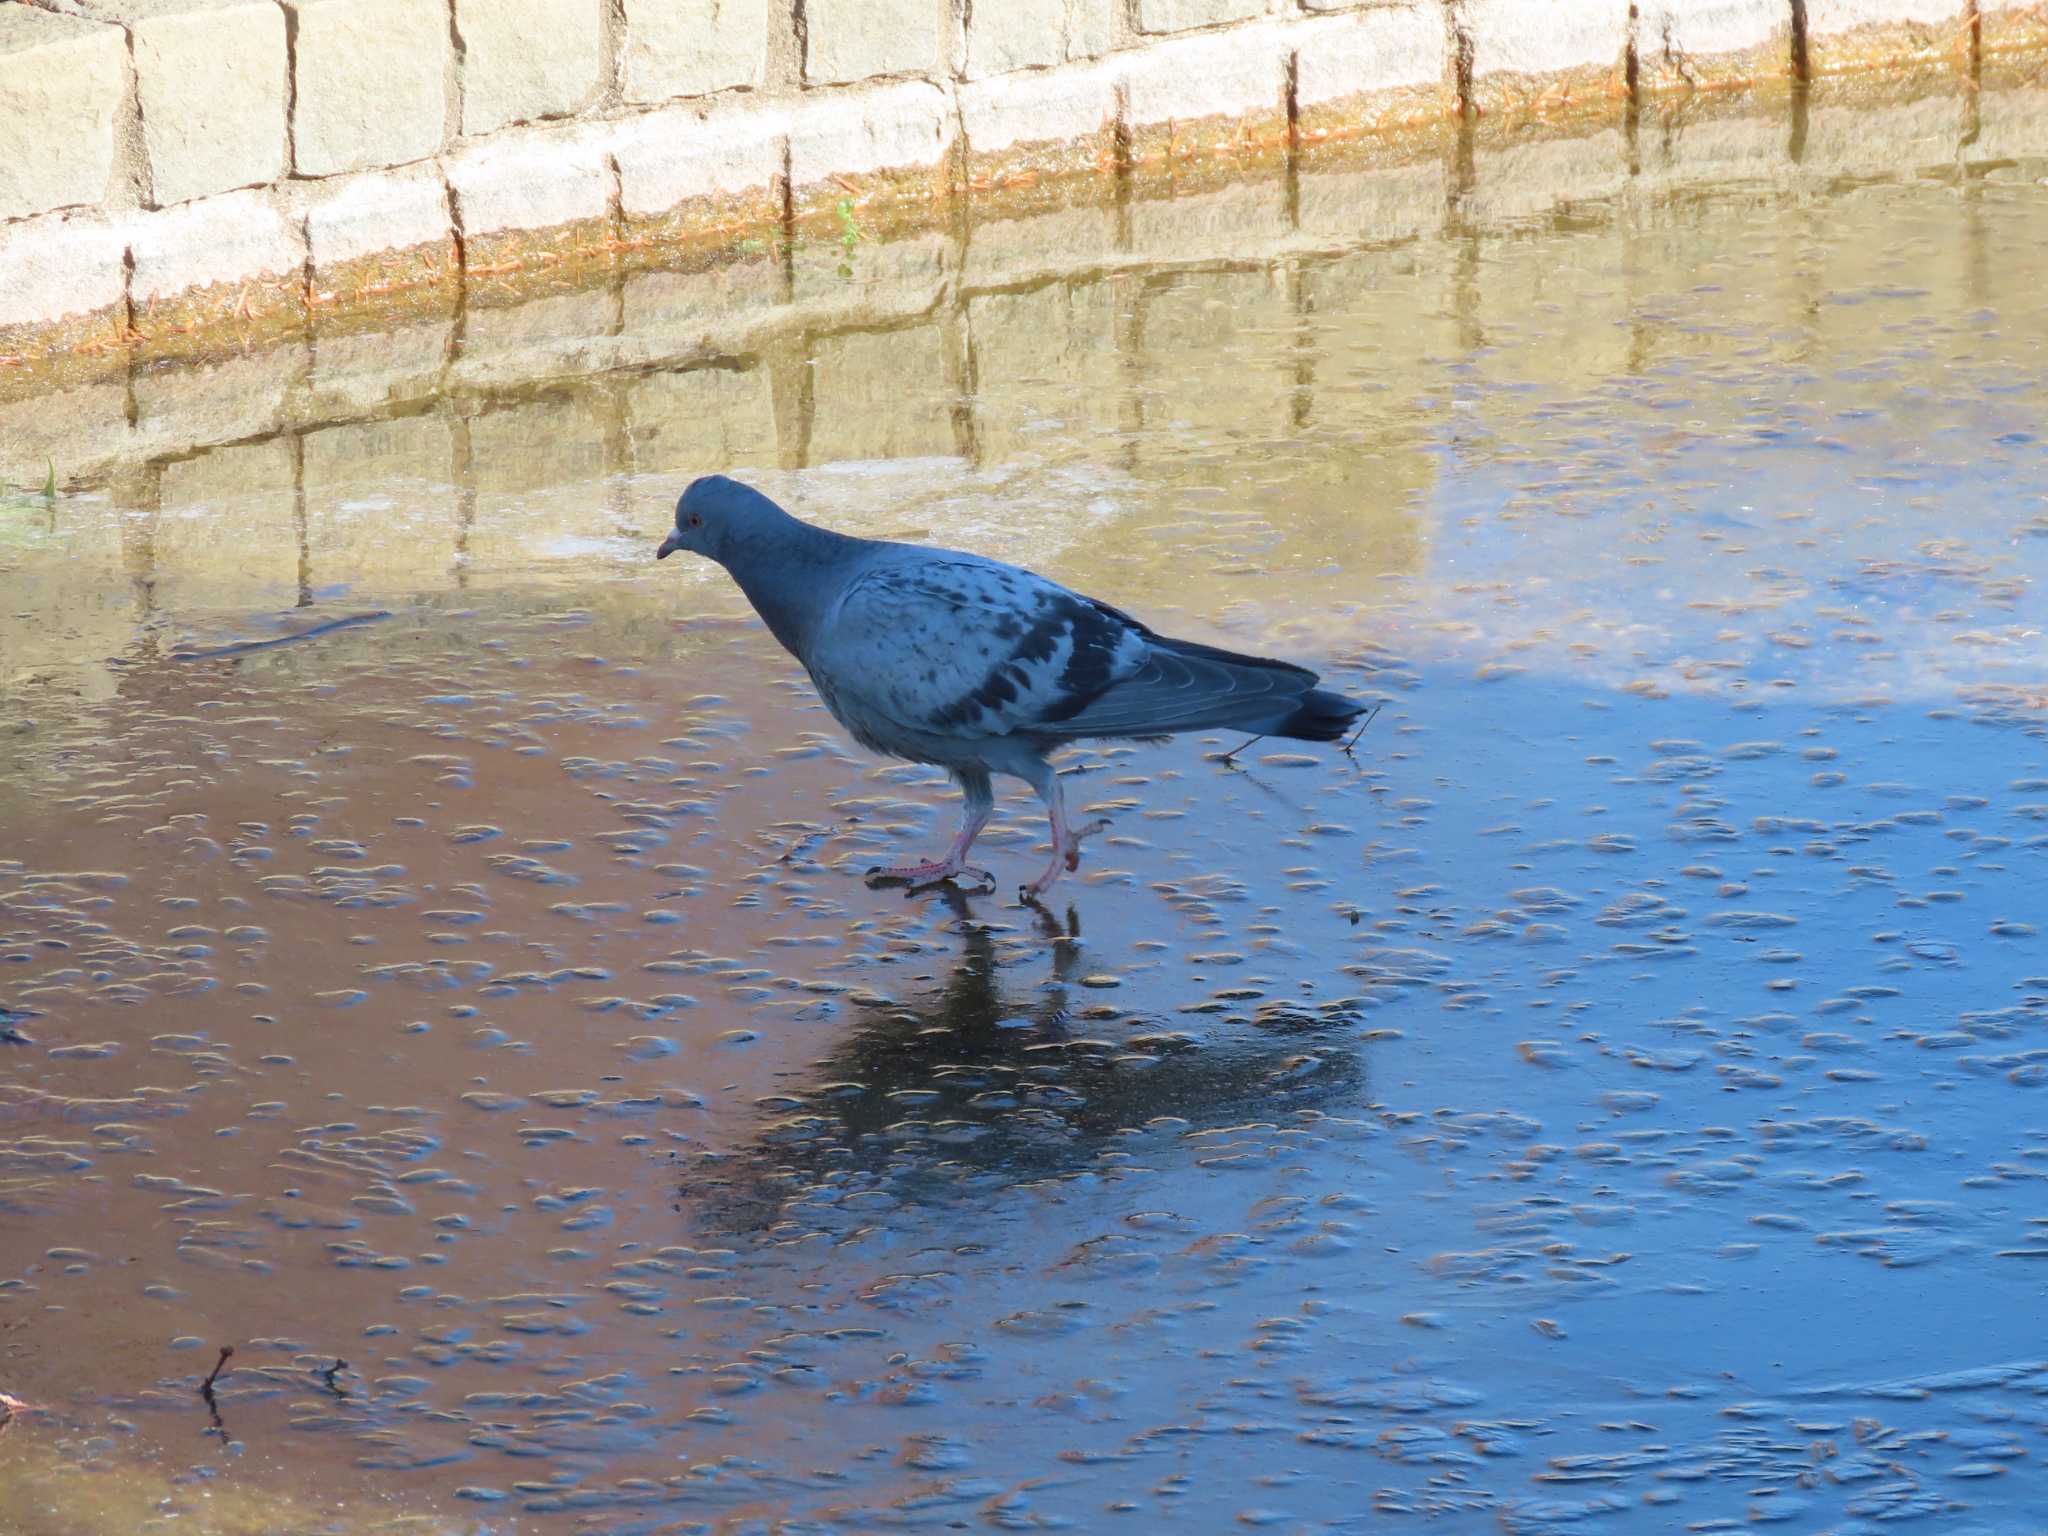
point(978, 667)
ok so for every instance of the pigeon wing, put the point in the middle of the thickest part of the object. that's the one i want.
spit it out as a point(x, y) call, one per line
point(963, 649)
point(1179, 685)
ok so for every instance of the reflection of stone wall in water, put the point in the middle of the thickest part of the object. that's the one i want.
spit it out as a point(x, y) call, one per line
point(1200, 360)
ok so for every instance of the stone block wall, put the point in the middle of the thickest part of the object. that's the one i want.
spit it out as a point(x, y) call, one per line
point(170, 165)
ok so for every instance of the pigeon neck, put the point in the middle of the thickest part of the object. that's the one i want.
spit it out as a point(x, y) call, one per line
point(785, 571)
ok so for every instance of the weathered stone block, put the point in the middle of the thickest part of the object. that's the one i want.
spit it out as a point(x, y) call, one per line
point(1178, 15)
point(231, 256)
point(526, 180)
point(1041, 123)
point(62, 79)
point(1533, 56)
point(700, 175)
point(210, 77)
point(1378, 71)
point(1196, 96)
point(890, 140)
point(370, 83)
point(1844, 35)
point(693, 47)
point(701, 421)
point(1024, 34)
point(1684, 44)
point(62, 266)
point(857, 39)
point(380, 230)
point(527, 59)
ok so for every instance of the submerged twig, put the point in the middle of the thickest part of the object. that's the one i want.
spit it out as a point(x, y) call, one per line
point(227, 1352)
point(1229, 759)
point(1370, 716)
point(333, 1371)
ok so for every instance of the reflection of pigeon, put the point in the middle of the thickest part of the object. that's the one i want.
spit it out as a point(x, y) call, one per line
point(980, 667)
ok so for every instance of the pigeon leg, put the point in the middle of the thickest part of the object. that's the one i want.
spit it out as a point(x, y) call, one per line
point(1066, 838)
point(976, 807)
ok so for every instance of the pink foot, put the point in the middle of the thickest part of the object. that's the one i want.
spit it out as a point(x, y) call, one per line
point(1066, 856)
point(932, 873)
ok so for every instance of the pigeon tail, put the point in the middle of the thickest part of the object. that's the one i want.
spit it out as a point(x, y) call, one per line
point(1321, 716)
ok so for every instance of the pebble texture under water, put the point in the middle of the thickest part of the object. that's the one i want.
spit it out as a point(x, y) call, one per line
point(1613, 1103)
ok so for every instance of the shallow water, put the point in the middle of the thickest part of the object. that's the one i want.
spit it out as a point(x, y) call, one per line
point(1611, 1103)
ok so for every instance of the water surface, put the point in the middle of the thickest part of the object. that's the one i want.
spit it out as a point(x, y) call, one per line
point(1612, 1102)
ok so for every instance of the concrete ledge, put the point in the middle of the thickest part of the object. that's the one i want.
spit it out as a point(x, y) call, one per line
point(511, 187)
point(886, 143)
point(1022, 127)
point(1843, 36)
point(65, 279)
point(376, 233)
point(2012, 26)
point(1534, 58)
point(690, 176)
point(1685, 45)
point(235, 257)
point(1216, 93)
point(1379, 71)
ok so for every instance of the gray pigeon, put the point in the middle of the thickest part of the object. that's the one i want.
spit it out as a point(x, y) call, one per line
point(981, 667)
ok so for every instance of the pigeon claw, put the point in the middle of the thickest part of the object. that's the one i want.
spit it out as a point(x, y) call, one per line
point(922, 877)
point(1100, 824)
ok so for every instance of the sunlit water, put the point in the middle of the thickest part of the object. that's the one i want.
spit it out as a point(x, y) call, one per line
point(1611, 1103)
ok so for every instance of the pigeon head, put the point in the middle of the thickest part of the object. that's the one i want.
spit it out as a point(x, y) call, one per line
point(717, 518)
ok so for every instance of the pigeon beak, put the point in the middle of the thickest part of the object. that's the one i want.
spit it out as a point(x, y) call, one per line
point(669, 546)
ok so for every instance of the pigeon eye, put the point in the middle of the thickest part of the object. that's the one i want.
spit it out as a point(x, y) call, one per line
point(696, 519)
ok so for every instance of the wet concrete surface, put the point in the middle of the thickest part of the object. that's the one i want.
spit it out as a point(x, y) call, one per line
point(1610, 1103)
